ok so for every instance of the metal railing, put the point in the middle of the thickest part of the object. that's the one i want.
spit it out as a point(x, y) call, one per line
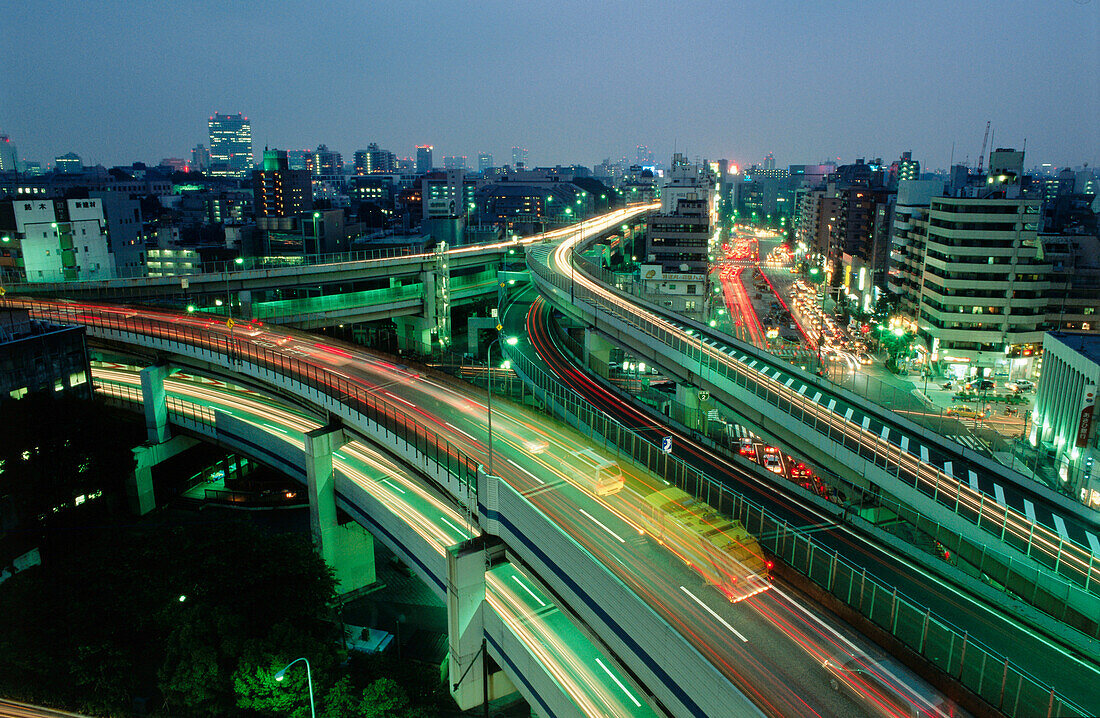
point(1062, 557)
point(167, 332)
point(990, 675)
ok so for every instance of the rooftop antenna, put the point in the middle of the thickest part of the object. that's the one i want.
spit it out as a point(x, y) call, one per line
point(952, 162)
point(981, 154)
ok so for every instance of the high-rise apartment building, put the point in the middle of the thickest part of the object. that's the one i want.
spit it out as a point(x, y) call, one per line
point(277, 190)
point(230, 146)
point(484, 161)
point(373, 160)
point(519, 157)
point(200, 158)
point(327, 163)
point(910, 225)
point(423, 159)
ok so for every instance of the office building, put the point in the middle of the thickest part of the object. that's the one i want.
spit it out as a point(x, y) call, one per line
point(907, 233)
point(679, 238)
point(423, 159)
point(769, 161)
point(1063, 423)
point(454, 162)
point(230, 146)
point(448, 193)
point(57, 239)
point(484, 162)
point(9, 158)
point(40, 356)
point(200, 158)
point(277, 190)
point(68, 163)
point(174, 164)
point(519, 157)
point(300, 160)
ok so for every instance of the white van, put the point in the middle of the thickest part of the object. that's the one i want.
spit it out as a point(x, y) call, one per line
point(600, 475)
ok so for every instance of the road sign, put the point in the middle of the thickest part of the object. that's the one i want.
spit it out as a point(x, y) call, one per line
point(704, 395)
point(666, 444)
point(499, 327)
point(229, 322)
point(3, 291)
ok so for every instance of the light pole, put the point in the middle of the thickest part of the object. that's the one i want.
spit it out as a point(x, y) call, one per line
point(510, 341)
point(309, 681)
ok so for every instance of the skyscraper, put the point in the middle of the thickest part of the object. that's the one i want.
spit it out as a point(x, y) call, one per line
point(519, 157)
point(423, 159)
point(200, 158)
point(230, 146)
point(484, 161)
point(8, 155)
point(769, 161)
point(454, 162)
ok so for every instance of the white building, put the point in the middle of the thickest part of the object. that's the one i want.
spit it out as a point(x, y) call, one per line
point(63, 239)
point(1063, 422)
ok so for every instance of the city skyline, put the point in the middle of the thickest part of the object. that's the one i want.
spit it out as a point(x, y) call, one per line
point(724, 82)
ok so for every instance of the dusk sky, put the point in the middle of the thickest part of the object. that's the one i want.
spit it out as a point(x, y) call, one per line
point(571, 81)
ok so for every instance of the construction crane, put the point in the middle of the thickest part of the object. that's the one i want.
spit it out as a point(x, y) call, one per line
point(985, 138)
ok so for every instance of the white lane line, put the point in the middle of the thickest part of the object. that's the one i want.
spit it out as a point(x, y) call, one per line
point(597, 522)
point(1060, 525)
point(1094, 543)
point(467, 434)
point(530, 593)
point(1000, 494)
point(403, 401)
point(973, 480)
point(275, 428)
point(394, 486)
point(525, 471)
point(710, 610)
point(461, 533)
point(619, 684)
point(1029, 510)
point(338, 373)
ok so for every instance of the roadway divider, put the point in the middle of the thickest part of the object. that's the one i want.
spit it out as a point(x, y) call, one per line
point(993, 677)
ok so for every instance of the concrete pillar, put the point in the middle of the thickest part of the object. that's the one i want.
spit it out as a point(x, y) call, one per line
point(347, 548)
point(155, 401)
point(245, 298)
point(597, 352)
point(140, 494)
point(473, 327)
point(692, 411)
point(414, 334)
point(465, 625)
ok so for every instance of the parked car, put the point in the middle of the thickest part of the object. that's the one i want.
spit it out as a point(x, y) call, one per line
point(1020, 385)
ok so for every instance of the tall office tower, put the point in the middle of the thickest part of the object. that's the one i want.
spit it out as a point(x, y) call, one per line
point(769, 161)
point(519, 157)
point(68, 163)
point(230, 146)
point(454, 162)
point(277, 190)
point(484, 161)
point(326, 162)
point(8, 156)
point(200, 158)
point(643, 155)
point(423, 159)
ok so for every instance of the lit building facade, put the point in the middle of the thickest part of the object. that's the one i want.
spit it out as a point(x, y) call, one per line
point(423, 159)
point(230, 146)
point(277, 190)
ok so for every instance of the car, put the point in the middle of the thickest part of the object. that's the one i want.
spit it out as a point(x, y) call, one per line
point(801, 472)
point(772, 463)
point(746, 446)
point(986, 384)
point(1020, 385)
point(864, 358)
point(963, 412)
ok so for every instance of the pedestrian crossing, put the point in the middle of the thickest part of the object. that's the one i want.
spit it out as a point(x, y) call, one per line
point(970, 442)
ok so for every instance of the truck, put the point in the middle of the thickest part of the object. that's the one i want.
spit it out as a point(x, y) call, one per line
point(596, 473)
point(719, 548)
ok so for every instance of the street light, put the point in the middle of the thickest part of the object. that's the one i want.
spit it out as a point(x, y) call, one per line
point(510, 341)
point(309, 681)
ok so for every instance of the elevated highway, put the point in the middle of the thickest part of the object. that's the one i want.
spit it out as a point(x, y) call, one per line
point(1038, 543)
point(692, 651)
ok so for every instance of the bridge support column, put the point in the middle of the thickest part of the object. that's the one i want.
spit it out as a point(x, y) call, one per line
point(597, 352)
point(140, 495)
point(155, 401)
point(244, 297)
point(414, 334)
point(347, 548)
point(474, 678)
point(688, 409)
